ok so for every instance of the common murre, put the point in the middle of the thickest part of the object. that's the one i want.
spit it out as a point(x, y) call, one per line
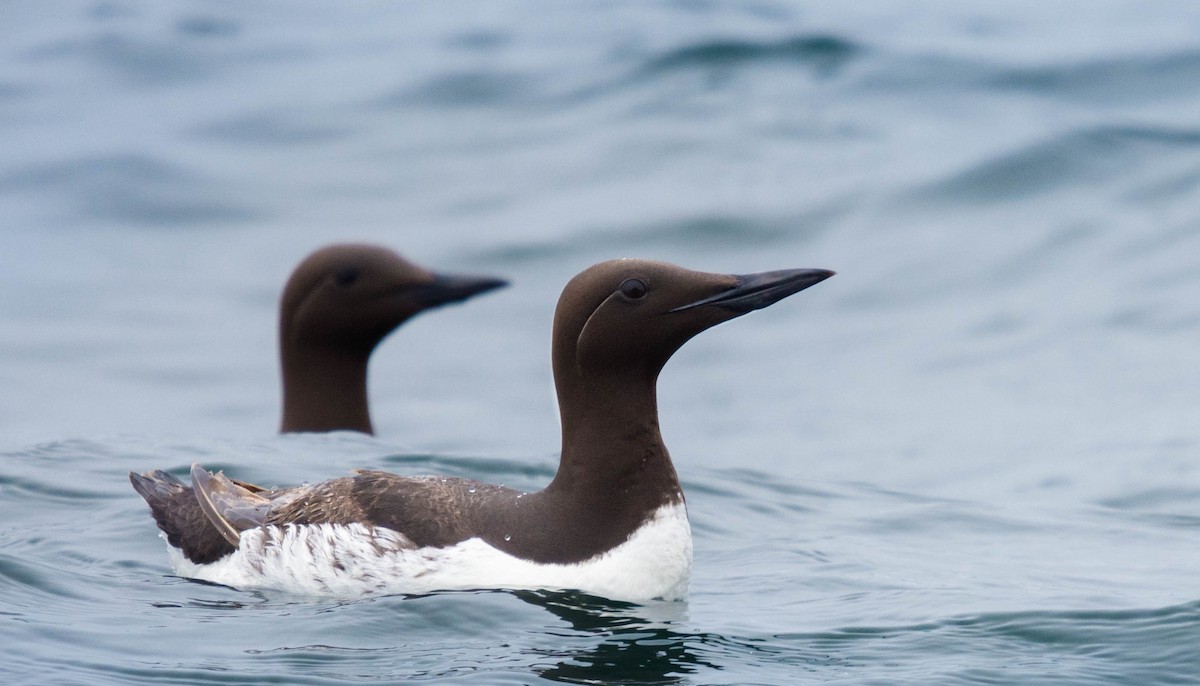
point(612, 522)
point(337, 306)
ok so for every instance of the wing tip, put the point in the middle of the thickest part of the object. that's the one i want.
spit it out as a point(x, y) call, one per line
point(204, 483)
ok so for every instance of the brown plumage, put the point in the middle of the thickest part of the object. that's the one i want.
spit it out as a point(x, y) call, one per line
point(616, 325)
point(339, 303)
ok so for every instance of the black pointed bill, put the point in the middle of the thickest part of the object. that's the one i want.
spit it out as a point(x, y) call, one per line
point(451, 288)
point(756, 291)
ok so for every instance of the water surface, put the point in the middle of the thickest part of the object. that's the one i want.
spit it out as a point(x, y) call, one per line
point(971, 457)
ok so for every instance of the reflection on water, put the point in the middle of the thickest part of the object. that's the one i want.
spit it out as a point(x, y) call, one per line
point(631, 647)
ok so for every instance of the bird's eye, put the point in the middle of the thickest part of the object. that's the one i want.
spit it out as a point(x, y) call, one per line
point(633, 289)
point(346, 276)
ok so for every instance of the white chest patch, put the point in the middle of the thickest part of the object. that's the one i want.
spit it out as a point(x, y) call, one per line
point(352, 560)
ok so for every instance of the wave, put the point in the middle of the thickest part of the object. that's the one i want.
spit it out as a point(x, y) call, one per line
point(1076, 158)
point(129, 188)
point(825, 54)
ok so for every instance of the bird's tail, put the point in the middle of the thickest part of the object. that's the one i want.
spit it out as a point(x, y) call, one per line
point(178, 513)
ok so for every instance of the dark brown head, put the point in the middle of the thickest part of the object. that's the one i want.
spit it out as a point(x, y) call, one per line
point(350, 296)
point(627, 317)
point(616, 325)
point(339, 303)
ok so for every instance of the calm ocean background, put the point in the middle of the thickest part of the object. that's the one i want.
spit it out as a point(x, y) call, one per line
point(971, 457)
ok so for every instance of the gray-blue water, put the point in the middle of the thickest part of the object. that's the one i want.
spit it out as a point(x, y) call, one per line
point(971, 457)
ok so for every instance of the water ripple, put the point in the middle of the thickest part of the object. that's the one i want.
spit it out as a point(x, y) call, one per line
point(824, 53)
point(1123, 79)
point(1089, 156)
point(1047, 647)
point(128, 187)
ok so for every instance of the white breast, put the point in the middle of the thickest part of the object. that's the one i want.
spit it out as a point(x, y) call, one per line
point(350, 560)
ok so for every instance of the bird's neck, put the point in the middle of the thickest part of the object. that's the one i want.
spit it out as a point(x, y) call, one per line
point(612, 444)
point(324, 389)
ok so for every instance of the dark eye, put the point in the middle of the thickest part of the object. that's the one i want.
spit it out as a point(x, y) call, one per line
point(633, 289)
point(346, 276)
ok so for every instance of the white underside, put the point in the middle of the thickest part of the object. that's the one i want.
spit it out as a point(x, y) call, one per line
point(352, 560)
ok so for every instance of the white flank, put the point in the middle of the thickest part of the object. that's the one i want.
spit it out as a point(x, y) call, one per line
point(350, 560)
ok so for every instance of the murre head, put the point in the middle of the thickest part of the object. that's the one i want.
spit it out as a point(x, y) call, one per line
point(627, 317)
point(339, 303)
point(616, 325)
point(350, 296)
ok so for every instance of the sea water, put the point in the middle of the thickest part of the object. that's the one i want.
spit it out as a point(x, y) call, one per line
point(973, 456)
